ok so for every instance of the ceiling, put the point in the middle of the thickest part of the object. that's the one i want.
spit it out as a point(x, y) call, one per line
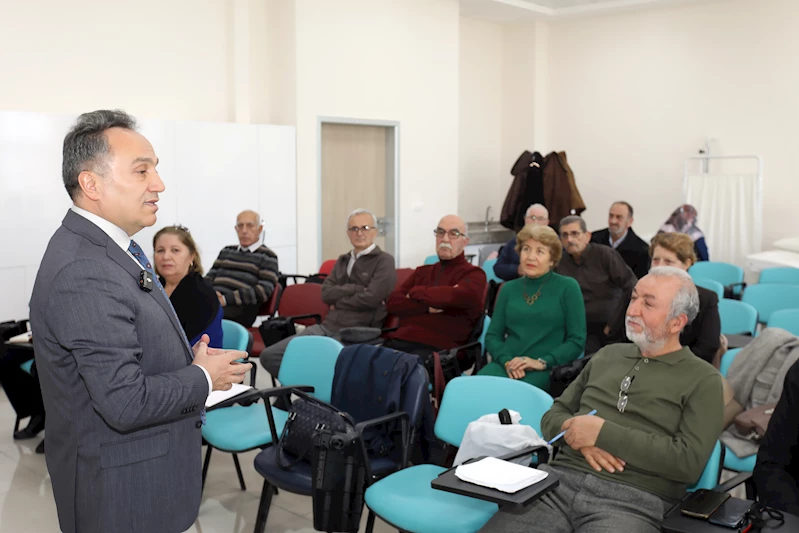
point(527, 10)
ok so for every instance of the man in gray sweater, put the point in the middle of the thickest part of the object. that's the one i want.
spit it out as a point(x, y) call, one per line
point(356, 289)
point(659, 414)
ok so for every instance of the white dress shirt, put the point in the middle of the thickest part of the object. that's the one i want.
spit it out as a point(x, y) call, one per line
point(122, 239)
point(354, 256)
point(253, 247)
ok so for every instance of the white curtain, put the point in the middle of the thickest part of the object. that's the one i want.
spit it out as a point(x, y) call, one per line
point(729, 212)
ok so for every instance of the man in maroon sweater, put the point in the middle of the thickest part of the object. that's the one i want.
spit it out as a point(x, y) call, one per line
point(440, 304)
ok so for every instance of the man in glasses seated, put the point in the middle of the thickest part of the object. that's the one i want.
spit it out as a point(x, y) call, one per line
point(507, 265)
point(604, 278)
point(245, 274)
point(440, 304)
point(658, 415)
point(356, 289)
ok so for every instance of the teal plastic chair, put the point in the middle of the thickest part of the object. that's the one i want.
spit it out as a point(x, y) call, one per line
point(787, 319)
point(488, 268)
point(768, 298)
point(711, 475)
point(784, 275)
point(730, 276)
point(309, 361)
point(730, 460)
point(405, 498)
point(711, 285)
point(726, 361)
point(737, 318)
point(431, 260)
point(237, 337)
point(27, 365)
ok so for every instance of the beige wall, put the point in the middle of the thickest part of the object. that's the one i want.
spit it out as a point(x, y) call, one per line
point(630, 96)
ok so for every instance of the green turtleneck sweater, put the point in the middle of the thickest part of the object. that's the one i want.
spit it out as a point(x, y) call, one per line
point(552, 328)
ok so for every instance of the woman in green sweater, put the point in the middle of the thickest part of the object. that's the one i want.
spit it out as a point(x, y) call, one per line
point(539, 318)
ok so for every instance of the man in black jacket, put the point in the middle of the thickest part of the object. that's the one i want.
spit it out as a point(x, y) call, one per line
point(776, 473)
point(620, 235)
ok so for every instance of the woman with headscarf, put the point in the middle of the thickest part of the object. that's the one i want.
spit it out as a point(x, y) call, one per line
point(683, 220)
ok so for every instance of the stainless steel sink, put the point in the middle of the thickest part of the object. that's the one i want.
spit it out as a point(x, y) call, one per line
point(493, 233)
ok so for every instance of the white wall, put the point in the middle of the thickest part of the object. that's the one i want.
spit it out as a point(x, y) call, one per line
point(631, 95)
point(481, 167)
point(394, 61)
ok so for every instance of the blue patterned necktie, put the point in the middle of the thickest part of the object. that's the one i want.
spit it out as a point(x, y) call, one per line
point(138, 253)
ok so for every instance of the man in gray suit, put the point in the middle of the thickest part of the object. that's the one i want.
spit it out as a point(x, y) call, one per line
point(123, 390)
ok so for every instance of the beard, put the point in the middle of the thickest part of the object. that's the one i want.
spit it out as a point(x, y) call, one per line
point(646, 339)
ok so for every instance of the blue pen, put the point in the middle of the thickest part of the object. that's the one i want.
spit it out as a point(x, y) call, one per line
point(559, 435)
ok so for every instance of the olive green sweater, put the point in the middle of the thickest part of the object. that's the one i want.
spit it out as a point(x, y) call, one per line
point(668, 429)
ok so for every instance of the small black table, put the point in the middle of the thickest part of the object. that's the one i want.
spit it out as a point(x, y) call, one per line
point(447, 482)
point(738, 341)
point(676, 522)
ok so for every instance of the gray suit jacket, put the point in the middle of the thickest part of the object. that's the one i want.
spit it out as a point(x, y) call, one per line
point(123, 402)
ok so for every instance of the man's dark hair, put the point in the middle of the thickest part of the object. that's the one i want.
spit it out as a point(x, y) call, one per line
point(571, 219)
point(86, 146)
point(628, 206)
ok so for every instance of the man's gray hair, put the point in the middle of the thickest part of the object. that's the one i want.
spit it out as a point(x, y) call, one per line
point(86, 146)
point(686, 301)
point(361, 211)
point(539, 206)
point(571, 219)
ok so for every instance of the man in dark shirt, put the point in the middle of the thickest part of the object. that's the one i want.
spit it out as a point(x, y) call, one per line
point(620, 235)
point(606, 281)
point(776, 473)
point(507, 265)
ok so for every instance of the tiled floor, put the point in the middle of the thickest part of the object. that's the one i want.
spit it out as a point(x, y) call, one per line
point(26, 496)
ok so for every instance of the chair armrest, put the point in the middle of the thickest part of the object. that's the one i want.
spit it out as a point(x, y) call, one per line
point(359, 427)
point(388, 330)
point(403, 417)
point(247, 398)
point(743, 477)
point(542, 452)
point(315, 316)
point(284, 391)
point(453, 351)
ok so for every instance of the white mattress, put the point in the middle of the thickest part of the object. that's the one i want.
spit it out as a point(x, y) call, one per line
point(768, 259)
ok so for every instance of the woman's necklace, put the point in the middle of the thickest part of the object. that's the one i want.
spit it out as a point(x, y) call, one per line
point(534, 298)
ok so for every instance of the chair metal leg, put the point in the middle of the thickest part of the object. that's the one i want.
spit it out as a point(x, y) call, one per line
point(263, 508)
point(370, 522)
point(238, 471)
point(16, 425)
point(253, 372)
point(207, 462)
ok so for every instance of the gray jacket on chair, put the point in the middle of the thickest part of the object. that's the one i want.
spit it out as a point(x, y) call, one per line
point(123, 402)
point(360, 297)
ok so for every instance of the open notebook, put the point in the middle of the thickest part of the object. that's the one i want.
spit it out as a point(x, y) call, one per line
point(218, 396)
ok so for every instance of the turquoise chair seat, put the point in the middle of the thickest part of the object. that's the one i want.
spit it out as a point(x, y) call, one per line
point(239, 428)
point(26, 366)
point(738, 464)
point(432, 509)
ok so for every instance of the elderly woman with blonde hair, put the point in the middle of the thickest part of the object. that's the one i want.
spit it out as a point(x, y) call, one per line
point(539, 318)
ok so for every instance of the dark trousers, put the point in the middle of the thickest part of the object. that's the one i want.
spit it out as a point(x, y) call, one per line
point(595, 338)
point(243, 314)
point(22, 389)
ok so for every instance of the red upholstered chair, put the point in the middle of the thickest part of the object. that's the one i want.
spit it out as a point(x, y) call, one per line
point(303, 302)
point(327, 267)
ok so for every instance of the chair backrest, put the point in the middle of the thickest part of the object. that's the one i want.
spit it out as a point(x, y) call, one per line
point(711, 475)
point(488, 268)
point(467, 398)
point(311, 360)
point(234, 336)
point(269, 307)
point(724, 273)
point(431, 260)
point(303, 299)
point(711, 285)
point(726, 361)
point(402, 275)
point(737, 318)
point(327, 267)
point(786, 275)
point(768, 298)
point(486, 324)
point(787, 319)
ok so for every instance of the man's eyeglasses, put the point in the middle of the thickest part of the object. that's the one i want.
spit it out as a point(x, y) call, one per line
point(361, 229)
point(572, 234)
point(621, 405)
point(453, 233)
point(249, 225)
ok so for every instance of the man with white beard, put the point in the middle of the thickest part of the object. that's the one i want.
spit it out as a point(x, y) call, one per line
point(439, 305)
point(659, 414)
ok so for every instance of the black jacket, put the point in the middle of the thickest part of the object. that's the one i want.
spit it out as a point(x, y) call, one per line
point(633, 250)
point(776, 473)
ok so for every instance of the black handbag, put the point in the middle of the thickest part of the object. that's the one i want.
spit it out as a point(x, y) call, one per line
point(561, 376)
point(306, 416)
point(276, 329)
